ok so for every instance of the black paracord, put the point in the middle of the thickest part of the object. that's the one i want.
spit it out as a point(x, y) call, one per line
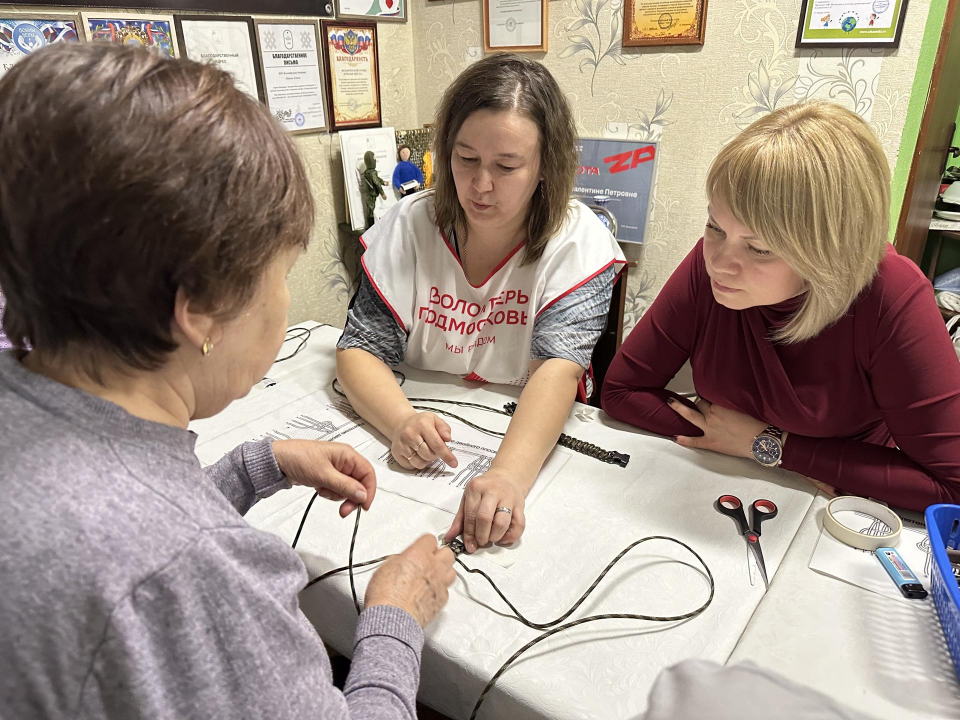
point(580, 446)
point(458, 549)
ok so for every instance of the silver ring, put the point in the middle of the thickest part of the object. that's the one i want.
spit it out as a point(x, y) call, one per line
point(507, 510)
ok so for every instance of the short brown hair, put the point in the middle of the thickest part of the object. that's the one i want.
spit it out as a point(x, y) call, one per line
point(125, 177)
point(507, 81)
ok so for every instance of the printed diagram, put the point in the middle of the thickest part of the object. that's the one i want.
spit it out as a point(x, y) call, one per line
point(874, 529)
point(473, 462)
point(309, 428)
point(925, 546)
point(315, 417)
point(442, 486)
point(878, 527)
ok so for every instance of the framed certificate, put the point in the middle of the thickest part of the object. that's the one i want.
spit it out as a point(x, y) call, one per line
point(866, 23)
point(292, 73)
point(515, 25)
point(373, 9)
point(353, 75)
point(227, 42)
point(153, 31)
point(664, 22)
point(22, 34)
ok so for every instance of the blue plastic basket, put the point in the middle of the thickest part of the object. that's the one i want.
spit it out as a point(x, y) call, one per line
point(946, 593)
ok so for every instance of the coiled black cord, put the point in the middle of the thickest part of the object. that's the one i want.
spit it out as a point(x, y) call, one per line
point(580, 446)
point(553, 626)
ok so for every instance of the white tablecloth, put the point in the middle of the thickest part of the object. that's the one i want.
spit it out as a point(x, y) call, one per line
point(882, 656)
point(587, 515)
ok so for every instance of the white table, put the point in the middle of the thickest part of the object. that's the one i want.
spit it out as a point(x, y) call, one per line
point(884, 657)
point(587, 515)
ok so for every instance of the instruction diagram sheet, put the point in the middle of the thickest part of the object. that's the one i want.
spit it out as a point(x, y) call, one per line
point(860, 567)
point(318, 416)
point(442, 486)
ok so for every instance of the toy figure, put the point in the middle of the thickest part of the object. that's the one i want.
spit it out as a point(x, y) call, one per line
point(371, 185)
point(406, 173)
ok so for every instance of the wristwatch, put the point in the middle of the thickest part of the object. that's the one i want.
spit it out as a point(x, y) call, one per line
point(768, 447)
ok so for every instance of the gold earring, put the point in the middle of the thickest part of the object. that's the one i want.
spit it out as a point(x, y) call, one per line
point(207, 347)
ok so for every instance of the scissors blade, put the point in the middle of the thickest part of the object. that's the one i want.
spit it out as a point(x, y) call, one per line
point(758, 555)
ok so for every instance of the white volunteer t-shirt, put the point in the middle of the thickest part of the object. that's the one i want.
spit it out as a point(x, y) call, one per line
point(481, 332)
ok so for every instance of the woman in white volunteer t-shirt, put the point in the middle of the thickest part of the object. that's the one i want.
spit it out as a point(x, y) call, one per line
point(495, 275)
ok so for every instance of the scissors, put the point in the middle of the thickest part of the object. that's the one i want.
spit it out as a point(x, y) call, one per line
point(760, 510)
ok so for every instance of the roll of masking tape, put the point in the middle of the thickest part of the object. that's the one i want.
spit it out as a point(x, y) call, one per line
point(858, 539)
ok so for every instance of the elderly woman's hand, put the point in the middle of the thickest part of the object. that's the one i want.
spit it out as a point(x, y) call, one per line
point(416, 580)
point(336, 471)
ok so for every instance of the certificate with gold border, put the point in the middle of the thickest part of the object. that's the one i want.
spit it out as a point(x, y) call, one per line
point(664, 22)
point(353, 75)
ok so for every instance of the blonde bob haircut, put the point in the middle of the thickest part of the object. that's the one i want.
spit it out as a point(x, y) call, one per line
point(811, 181)
point(507, 81)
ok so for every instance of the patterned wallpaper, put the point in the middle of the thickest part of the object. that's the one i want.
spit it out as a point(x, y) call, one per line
point(693, 99)
point(322, 282)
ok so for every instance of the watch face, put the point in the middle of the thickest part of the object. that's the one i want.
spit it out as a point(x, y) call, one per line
point(766, 450)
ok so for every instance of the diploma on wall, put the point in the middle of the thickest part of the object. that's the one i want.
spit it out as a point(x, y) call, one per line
point(515, 25)
point(864, 23)
point(664, 22)
point(227, 42)
point(353, 76)
point(292, 76)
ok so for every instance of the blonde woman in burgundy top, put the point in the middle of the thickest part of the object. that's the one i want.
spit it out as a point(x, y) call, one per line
point(813, 344)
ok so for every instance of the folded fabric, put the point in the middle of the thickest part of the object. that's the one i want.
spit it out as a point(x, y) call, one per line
point(953, 327)
point(948, 300)
point(698, 689)
point(949, 280)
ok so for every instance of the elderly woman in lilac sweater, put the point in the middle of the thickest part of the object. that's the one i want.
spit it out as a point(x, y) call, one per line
point(132, 585)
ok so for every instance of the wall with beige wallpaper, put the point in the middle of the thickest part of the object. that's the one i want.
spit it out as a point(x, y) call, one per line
point(320, 284)
point(322, 281)
point(692, 99)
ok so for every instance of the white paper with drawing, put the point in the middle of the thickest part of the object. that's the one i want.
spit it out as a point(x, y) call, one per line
point(442, 486)
point(861, 567)
point(318, 416)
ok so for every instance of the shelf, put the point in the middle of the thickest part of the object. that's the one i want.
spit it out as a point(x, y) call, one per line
point(941, 224)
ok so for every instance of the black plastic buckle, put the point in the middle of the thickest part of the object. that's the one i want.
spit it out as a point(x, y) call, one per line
point(456, 545)
point(615, 458)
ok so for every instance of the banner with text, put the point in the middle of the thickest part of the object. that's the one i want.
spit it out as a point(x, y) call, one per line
point(618, 175)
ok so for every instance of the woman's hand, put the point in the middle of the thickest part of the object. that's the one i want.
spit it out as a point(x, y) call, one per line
point(480, 518)
point(336, 471)
point(724, 431)
point(416, 580)
point(420, 439)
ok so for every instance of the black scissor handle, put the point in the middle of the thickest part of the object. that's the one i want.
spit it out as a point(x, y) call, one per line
point(762, 510)
point(731, 505)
